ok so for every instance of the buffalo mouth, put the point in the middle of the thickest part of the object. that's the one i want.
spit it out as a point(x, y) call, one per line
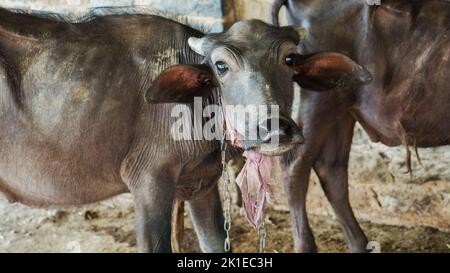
point(271, 136)
point(274, 149)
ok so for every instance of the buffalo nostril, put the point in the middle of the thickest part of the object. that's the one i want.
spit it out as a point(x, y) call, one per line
point(284, 128)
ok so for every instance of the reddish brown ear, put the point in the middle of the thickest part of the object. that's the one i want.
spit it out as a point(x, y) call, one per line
point(180, 84)
point(327, 71)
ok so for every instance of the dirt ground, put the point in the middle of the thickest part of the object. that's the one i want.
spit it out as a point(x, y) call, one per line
point(108, 227)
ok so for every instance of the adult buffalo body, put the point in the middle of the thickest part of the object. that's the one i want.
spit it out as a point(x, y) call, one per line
point(406, 47)
point(85, 111)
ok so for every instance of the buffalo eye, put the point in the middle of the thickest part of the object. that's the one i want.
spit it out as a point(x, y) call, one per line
point(222, 67)
point(290, 59)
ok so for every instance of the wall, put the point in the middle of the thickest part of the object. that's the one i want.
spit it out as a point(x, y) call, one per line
point(208, 12)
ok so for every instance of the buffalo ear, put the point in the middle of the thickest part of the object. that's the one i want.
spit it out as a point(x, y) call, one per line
point(328, 71)
point(180, 84)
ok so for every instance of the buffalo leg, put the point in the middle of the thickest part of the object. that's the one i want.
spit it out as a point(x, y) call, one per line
point(331, 167)
point(207, 217)
point(318, 117)
point(153, 199)
point(296, 187)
